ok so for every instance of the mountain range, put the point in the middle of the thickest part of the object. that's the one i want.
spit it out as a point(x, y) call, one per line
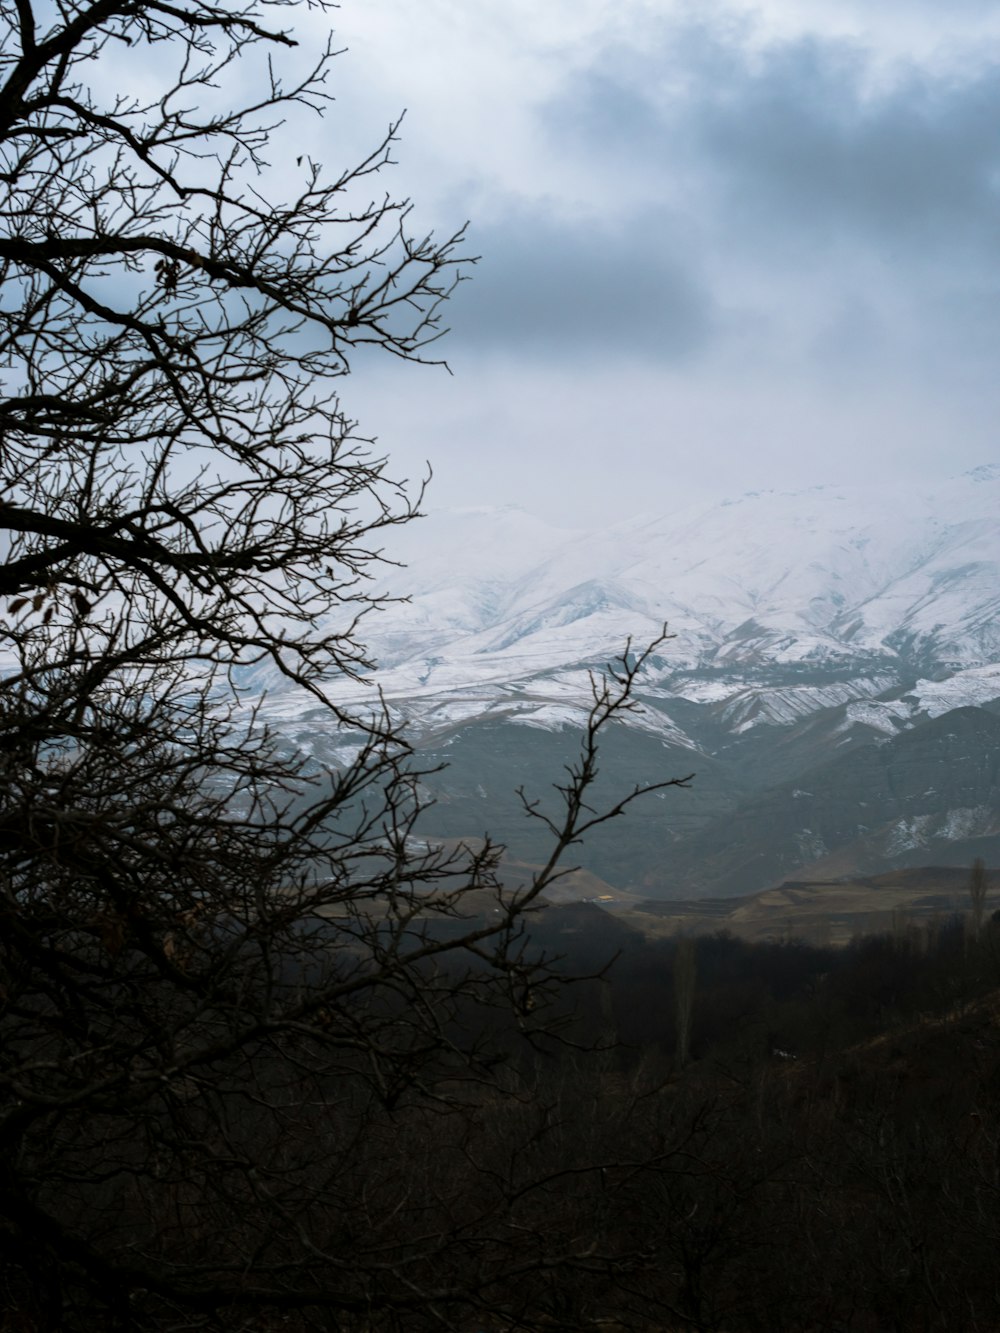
point(828, 647)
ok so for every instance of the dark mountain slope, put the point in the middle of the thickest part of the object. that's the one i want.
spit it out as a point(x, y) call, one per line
point(864, 812)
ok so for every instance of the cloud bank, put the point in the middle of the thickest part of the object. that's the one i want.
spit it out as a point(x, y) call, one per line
point(769, 242)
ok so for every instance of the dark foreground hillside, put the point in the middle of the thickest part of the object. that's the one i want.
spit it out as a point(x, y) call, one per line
point(829, 1157)
point(815, 1146)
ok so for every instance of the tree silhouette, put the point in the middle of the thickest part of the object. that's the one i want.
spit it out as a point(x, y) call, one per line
point(244, 1063)
point(978, 883)
point(685, 970)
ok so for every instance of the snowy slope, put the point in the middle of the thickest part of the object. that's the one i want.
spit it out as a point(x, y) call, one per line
point(782, 603)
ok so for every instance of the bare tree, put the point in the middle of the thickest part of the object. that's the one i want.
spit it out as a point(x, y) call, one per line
point(978, 884)
point(237, 997)
point(685, 968)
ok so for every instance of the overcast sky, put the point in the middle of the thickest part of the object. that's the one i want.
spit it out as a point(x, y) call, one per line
point(723, 246)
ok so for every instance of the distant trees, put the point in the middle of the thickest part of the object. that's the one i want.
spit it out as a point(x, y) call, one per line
point(685, 966)
point(872, 1156)
point(249, 1022)
point(978, 884)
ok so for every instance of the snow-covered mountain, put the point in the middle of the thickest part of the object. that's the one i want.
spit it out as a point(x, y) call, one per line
point(780, 603)
point(805, 623)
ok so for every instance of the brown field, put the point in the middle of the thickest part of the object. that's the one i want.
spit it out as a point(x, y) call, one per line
point(822, 912)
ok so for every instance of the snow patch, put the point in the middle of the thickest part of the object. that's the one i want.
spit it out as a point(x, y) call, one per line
point(970, 688)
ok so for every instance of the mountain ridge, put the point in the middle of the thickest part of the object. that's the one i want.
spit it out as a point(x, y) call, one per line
point(906, 581)
point(806, 625)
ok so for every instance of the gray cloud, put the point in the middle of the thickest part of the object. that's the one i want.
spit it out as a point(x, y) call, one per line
point(738, 266)
point(799, 139)
point(566, 287)
point(784, 191)
point(804, 148)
